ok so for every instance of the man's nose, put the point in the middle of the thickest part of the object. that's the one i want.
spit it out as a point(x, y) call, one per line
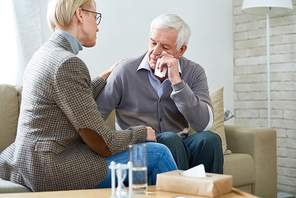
point(157, 50)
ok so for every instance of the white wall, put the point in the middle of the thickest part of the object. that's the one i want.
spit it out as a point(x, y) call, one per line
point(125, 26)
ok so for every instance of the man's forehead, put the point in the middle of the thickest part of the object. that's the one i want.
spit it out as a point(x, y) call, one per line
point(162, 42)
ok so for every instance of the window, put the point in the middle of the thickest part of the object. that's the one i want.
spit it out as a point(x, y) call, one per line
point(20, 38)
point(8, 49)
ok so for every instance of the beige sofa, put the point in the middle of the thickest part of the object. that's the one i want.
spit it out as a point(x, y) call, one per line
point(252, 160)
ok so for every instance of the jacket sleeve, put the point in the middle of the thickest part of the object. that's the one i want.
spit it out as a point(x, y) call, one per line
point(74, 95)
point(97, 85)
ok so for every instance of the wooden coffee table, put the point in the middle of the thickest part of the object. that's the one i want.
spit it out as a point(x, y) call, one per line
point(106, 193)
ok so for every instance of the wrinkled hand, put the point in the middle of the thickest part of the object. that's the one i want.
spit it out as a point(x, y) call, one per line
point(173, 67)
point(113, 66)
point(150, 135)
point(106, 74)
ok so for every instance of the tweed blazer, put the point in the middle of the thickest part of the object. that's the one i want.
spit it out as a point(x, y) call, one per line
point(57, 101)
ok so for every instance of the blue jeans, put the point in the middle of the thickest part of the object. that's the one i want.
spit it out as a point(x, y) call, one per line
point(200, 148)
point(159, 160)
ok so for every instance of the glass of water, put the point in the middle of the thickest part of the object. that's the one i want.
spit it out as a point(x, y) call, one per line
point(138, 156)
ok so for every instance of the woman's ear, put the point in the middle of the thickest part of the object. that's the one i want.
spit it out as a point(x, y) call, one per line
point(78, 14)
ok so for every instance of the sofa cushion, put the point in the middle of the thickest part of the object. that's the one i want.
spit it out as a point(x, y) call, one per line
point(10, 187)
point(9, 111)
point(242, 167)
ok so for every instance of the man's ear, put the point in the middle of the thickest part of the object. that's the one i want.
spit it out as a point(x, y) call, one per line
point(182, 50)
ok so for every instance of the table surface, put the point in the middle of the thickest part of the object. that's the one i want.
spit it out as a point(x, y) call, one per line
point(106, 193)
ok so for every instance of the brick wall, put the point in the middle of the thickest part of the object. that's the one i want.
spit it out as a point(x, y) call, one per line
point(250, 85)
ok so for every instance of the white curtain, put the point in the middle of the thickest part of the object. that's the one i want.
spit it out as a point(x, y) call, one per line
point(20, 36)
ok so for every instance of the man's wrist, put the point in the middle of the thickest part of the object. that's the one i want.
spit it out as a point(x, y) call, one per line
point(178, 86)
point(176, 81)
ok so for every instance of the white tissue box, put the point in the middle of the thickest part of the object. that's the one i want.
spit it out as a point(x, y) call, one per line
point(212, 185)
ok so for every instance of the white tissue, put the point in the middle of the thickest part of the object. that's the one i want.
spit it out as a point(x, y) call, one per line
point(164, 68)
point(197, 171)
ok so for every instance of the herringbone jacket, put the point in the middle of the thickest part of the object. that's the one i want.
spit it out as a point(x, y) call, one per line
point(58, 100)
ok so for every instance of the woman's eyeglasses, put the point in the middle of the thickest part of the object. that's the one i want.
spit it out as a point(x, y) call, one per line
point(98, 17)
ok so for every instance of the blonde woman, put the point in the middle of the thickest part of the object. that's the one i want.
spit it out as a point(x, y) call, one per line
point(62, 142)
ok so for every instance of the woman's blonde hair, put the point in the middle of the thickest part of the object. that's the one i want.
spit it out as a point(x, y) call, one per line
point(60, 12)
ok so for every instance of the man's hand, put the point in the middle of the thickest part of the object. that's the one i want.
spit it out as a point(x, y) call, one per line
point(173, 68)
point(150, 135)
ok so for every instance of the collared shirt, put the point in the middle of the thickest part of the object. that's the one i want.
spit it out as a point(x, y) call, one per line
point(156, 84)
point(75, 44)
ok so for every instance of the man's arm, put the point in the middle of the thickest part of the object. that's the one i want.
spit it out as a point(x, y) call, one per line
point(99, 82)
point(109, 97)
point(194, 102)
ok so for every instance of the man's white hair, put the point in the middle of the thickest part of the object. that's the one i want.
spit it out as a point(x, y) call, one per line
point(167, 21)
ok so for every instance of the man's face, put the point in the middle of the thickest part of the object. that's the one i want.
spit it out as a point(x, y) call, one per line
point(162, 40)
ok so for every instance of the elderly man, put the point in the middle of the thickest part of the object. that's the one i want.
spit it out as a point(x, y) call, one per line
point(169, 103)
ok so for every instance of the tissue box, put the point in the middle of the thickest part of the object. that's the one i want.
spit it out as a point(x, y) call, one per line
point(211, 186)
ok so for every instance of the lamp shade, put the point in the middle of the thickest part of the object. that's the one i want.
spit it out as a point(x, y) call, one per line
point(277, 7)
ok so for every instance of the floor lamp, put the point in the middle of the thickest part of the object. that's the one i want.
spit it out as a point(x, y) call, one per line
point(270, 8)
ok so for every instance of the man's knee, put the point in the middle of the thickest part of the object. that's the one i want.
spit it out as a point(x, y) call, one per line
point(168, 137)
point(213, 137)
point(208, 136)
point(205, 139)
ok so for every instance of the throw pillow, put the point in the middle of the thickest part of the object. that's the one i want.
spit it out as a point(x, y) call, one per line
point(218, 125)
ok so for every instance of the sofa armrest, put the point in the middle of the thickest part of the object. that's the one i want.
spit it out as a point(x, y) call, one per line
point(260, 143)
point(243, 139)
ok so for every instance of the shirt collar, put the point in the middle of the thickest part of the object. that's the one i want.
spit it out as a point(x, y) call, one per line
point(145, 65)
point(75, 44)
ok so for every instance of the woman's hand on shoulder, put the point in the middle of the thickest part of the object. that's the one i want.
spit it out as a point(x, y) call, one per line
point(106, 73)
